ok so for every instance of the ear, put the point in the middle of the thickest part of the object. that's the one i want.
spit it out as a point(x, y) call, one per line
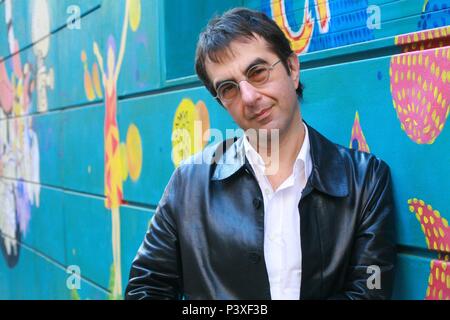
point(294, 66)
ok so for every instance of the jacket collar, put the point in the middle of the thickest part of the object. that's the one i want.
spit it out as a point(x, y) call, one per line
point(328, 174)
point(229, 157)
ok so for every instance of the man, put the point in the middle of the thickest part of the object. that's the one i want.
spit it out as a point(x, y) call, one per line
point(318, 227)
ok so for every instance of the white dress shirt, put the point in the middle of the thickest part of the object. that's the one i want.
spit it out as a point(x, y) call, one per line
point(282, 247)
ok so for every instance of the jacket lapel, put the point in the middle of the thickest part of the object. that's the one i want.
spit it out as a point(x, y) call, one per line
point(327, 176)
point(311, 279)
point(228, 158)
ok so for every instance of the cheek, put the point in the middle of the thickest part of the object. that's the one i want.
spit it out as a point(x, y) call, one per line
point(236, 114)
point(284, 92)
point(240, 116)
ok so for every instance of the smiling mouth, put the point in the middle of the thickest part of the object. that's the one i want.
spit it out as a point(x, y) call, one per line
point(263, 114)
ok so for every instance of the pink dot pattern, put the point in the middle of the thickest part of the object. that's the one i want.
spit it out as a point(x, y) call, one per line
point(419, 82)
point(437, 236)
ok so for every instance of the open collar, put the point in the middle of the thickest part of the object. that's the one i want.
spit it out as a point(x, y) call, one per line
point(328, 167)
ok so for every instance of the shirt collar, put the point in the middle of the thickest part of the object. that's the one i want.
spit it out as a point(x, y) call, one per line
point(253, 156)
point(303, 160)
point(305, 154)
point(328, 167)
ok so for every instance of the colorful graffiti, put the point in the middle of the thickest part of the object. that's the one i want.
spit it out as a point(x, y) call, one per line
point(439, 280)
point(91, 80)
point(40, 29)
point(358, 141)
point(419, 83)
point(435, 14)
point(49, 169)
point(437, 237)
point(325, 24)
point(419, 80)
point(19, 147)
point(121, 159)
point(300, 39)
point(190, 130)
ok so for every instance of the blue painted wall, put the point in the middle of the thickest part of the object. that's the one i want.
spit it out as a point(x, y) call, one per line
point(91, 92)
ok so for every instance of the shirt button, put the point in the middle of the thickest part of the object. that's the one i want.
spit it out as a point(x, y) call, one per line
point(257, 203)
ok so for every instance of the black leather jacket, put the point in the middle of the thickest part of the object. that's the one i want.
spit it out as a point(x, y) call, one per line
point(206, 237)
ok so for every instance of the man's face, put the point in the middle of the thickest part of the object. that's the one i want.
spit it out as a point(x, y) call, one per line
point(273, 105)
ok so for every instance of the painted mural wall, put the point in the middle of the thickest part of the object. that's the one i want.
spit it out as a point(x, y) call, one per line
point(93, 94)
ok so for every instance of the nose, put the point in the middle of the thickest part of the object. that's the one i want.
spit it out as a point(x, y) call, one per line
point(249, 94)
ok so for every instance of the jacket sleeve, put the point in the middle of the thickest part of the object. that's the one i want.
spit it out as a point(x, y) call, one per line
point(371, 271)
point(156, 270)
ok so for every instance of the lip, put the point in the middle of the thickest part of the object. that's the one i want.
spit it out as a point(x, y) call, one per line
point(263, 114)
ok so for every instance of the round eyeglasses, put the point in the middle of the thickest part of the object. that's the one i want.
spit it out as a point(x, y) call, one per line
point(256, 76)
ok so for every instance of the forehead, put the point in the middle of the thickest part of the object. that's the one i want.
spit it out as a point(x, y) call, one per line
point(237, 56)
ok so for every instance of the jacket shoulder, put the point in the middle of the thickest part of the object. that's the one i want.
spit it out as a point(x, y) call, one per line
point(361, 160)
point(205, 161)
point(366, 171)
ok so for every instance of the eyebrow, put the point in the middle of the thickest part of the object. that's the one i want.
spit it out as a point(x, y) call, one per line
point(251, 65)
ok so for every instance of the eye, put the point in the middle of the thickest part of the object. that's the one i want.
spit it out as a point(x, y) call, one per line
point(227, 90)
point(257, 74)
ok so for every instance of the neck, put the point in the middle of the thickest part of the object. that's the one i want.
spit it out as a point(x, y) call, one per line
point(280, 152)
